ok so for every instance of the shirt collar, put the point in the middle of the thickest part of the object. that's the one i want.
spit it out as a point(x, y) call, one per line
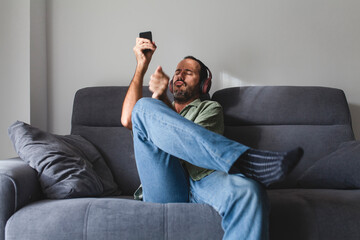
point(194, 103)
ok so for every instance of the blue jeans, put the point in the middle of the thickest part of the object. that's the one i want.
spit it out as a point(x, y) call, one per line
point(162, 137)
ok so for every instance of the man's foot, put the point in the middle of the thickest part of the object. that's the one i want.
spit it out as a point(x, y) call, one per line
point(267, 167)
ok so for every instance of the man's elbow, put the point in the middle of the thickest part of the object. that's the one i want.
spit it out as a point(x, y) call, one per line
point(126, 122)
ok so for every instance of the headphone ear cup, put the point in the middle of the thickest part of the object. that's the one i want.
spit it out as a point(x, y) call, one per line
point(205, 86)
point(171, 85)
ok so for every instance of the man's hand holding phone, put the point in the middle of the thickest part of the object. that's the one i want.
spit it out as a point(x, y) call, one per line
point(144, 49)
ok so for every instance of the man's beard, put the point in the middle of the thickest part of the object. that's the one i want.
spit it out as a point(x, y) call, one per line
point(183, 96)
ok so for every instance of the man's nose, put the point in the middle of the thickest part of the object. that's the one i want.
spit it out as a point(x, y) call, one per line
point(182, 74)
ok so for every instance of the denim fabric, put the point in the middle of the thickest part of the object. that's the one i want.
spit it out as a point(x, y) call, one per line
point(242, 203)
point(162, 137)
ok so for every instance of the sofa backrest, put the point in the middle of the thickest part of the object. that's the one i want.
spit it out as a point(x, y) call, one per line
point(272, 118)
point(96, 117)
point(280, 118)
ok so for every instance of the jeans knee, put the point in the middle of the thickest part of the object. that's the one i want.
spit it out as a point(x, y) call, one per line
point(143, 103)
point(252, 192)
point(257, 189)
point(141, 106)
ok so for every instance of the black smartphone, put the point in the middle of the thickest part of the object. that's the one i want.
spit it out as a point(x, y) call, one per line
point(146, 35)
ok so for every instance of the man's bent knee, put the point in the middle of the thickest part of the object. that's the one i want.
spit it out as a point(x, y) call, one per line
point(253, 191)
point(144, 103)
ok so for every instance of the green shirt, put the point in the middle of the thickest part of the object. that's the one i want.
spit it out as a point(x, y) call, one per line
point(207, 114)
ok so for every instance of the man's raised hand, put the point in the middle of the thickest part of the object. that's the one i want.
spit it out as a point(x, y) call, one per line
point(158, 83)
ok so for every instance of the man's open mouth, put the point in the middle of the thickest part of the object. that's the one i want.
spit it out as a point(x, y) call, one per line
point(179, 83)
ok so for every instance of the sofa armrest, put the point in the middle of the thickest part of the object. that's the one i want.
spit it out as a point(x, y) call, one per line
point(18, 187)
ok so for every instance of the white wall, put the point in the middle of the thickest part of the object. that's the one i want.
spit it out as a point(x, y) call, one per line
point(14, 68)
point(244, 42)
point(311, 42)
point(23, 73)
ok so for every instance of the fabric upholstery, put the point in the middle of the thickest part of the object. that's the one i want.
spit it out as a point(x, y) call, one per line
point(96, 117)
point(273, 118)
point(280, 118)
point(317, 141)
point(68, 166)
point(19, 187)
point(116, 146)
point(100, 106)
point(338, 170)
point(320, 214)
point(279, 105)
point(125, 219)
point(296, 214)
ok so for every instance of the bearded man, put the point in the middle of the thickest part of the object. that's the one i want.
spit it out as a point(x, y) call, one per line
point(182, 156)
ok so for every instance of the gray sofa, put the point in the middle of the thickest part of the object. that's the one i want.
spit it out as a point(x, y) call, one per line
point(309, 204)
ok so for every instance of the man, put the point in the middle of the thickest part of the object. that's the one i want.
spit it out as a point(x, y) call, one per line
point(180, 160)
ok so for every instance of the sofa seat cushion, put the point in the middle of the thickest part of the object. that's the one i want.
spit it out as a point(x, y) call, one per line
point(113, 218)
point(296, 214)
point(299, 214)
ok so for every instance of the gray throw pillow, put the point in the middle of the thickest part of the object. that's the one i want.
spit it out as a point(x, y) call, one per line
point(68, 166)
point(338, 170)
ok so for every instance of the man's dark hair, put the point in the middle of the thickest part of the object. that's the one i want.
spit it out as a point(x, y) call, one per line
point(203, 68)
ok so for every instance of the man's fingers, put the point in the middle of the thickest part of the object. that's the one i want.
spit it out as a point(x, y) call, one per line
point(144, 43)
point(155, 95)
point(159, 70)
point(142, 40)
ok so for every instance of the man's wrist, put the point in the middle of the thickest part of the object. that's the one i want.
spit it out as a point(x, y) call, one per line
point(141, 69)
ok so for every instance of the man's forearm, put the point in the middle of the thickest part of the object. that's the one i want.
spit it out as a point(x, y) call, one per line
point(133, 94)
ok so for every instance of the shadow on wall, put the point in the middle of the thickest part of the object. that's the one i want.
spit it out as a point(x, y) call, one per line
point(355, 117)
